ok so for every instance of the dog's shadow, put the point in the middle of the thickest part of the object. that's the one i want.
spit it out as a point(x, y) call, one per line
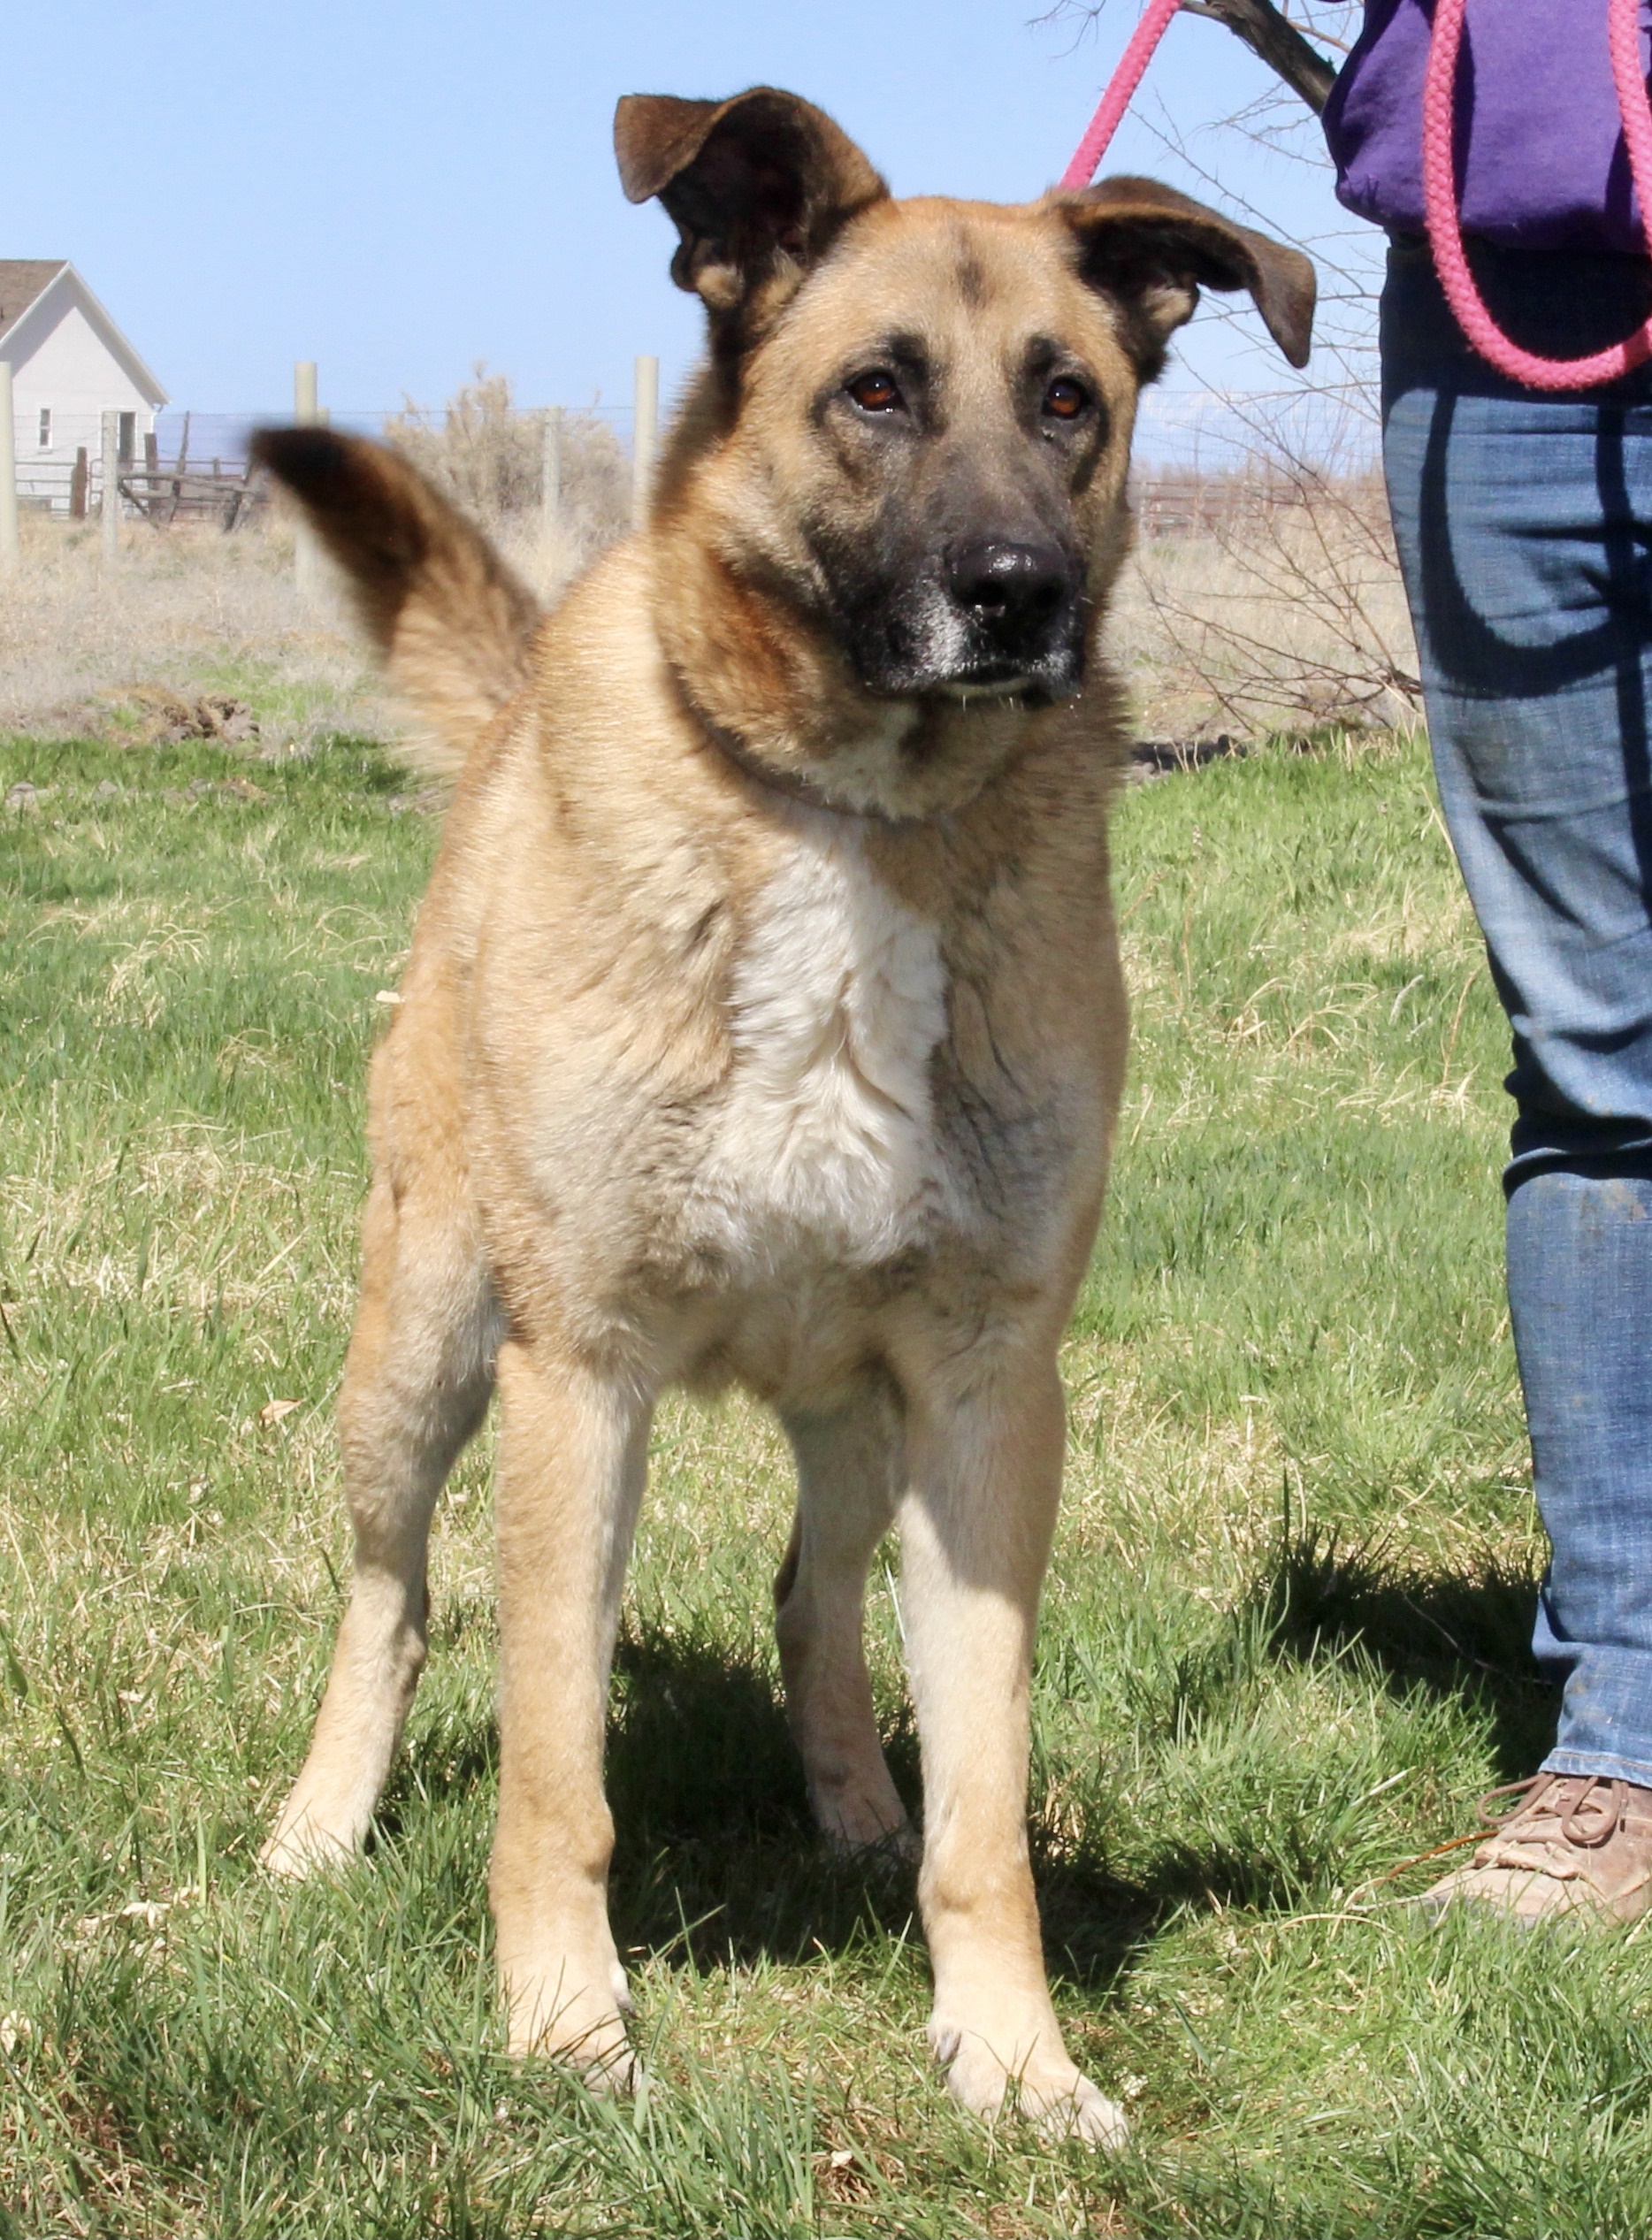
point(717, 1862)
point(717, 1859)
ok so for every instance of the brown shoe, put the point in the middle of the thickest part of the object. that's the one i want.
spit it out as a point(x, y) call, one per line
point(1574, 1844)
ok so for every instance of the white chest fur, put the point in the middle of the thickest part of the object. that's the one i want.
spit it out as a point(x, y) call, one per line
point(826, 1146)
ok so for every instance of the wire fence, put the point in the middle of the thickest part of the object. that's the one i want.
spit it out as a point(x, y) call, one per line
point(1194, 450)
point(196, 460)
point(206, 435)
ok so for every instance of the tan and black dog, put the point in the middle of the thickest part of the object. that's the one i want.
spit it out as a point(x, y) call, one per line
point(764, 1021)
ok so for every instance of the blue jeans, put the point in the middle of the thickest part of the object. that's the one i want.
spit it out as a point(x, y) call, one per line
point(1525, 532)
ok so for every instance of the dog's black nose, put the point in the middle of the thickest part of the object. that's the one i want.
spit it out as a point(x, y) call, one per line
point(1014, 589)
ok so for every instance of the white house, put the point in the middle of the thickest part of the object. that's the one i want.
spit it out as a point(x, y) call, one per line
point(70, 364)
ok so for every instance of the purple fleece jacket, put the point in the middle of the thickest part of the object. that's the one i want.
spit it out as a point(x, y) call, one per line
point(1540, 158)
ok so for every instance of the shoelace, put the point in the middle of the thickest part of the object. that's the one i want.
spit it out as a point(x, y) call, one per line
point(1605, 1813)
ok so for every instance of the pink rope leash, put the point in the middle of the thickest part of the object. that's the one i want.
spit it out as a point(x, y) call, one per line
point(1440, 204)
point(1440, 180)
point(1116, 100)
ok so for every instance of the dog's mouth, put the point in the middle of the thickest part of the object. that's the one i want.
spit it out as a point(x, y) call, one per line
point(923, 647)
point(1057, 676)
point(1017, 685)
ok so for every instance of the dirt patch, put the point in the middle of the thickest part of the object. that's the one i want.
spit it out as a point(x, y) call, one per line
point(167, 718)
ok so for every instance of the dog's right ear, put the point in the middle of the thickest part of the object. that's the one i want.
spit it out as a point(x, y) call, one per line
point(758, 186)
point(1152, 247)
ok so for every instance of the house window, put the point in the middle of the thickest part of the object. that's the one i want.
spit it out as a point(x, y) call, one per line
point(45, 427)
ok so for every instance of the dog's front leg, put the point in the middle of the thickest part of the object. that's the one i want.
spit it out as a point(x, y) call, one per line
point(986, 1431)
point(572, 1462)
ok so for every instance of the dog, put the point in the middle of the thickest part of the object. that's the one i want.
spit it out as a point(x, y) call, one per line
point(764, 1021)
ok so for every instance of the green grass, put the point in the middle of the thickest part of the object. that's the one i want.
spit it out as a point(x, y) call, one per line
point(1283, 1647)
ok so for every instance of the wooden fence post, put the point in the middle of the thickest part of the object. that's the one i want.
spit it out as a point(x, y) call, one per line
point(179, 471)
point(307, 413)
point(109, 503)
point(551, 481)
point(10, 552)
point(644, 433)
point(80, 475)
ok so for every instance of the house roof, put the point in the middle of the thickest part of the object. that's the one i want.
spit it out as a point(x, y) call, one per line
point(23, 280)
point(25, 284)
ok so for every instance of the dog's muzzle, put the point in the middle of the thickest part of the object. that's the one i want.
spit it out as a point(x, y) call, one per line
point(997, 617)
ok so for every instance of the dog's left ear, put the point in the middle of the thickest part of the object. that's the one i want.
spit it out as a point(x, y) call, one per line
point(1153, 249)
point(759, 186)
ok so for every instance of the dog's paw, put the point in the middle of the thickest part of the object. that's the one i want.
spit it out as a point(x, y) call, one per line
point(1042, 2085)
point(300, 1844)
point(613, 2074)
point(1074, 2109)
point(863, 1815)
point(578, 2024)
point(869, 1843)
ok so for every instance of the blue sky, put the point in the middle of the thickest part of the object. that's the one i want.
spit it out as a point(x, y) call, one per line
point(398, 191)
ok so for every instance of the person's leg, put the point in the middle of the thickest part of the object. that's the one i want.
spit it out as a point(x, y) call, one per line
point(1523, 525)
point(1580, 1298)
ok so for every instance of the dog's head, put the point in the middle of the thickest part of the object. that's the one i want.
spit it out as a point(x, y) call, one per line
point(913, 430)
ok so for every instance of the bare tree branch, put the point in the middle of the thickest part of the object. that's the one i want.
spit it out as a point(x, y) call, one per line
point(1265, 29)
point(1277, 40)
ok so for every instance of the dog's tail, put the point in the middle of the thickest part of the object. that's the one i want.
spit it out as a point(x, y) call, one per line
point(449, 621)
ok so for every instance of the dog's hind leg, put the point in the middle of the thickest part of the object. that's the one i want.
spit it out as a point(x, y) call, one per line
point(415, 1386)
point(849, 1479)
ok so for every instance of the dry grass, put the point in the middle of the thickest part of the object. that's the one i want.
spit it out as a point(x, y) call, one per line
point(490, 458)
point(1283, 610)
point(190, 610)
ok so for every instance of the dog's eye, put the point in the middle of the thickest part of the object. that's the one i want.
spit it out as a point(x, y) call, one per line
point(1065, 399)
point(877, 392)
